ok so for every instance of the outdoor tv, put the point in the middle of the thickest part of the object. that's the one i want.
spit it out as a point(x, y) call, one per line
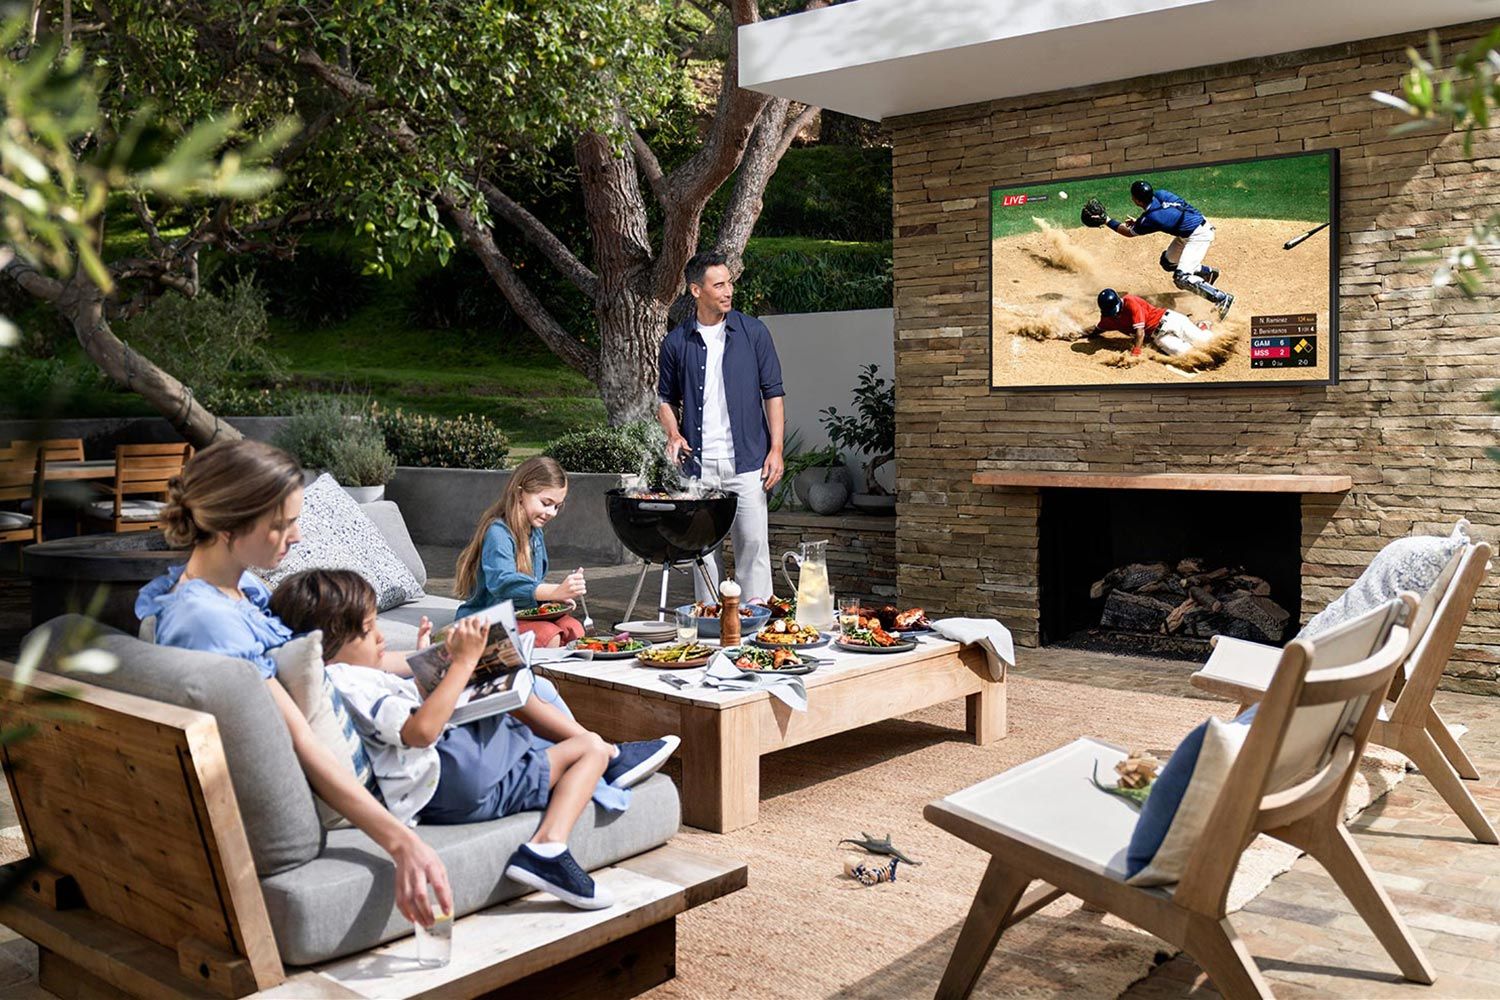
point(1263, 231)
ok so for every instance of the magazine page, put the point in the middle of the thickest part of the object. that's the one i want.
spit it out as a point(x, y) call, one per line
point(506, 650)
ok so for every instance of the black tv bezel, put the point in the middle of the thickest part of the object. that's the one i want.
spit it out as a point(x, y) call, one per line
point(1333, 282)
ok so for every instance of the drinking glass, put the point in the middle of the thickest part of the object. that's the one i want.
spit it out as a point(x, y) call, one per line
point(848, 614)
point(435, 943)
point(687, 626)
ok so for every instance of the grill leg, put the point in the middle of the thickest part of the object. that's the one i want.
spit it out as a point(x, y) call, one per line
point(636, 594)
point(713, 587)
point(661, 605)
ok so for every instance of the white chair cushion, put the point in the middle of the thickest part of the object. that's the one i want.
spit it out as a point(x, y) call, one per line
point(1050, 803)
point(11, 519)
point(130, 510)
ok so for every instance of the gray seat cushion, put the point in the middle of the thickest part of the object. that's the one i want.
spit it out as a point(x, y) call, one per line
point(344, 901)
point(399, 624)
point(386, 516)
point(276, 804)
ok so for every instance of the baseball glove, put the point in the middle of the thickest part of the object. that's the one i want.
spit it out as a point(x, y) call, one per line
point(1093, 213)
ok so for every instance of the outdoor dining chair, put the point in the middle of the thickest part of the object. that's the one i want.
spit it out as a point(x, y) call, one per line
point(1045, 820)
point(1408, 724)
point(22, 473)
point(140, 470)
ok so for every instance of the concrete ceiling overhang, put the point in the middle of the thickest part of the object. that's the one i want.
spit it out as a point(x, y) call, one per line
point(877, 59)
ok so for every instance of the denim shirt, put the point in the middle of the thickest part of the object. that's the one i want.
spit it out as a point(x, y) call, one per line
point(498, 578)
point(752, 374)
point(198, 615)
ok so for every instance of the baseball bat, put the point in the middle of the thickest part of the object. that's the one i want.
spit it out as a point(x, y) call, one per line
point(1298, 239)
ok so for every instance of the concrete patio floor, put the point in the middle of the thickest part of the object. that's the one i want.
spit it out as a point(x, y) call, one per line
point(1306, 938)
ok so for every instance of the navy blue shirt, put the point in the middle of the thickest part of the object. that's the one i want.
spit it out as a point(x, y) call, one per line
point(752, 374)
point(1169, 214)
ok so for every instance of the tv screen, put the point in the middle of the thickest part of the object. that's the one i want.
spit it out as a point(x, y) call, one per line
point(1220, 274)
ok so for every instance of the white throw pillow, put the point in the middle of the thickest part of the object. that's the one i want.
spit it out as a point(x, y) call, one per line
point(336, 534)
point(1417, 564)
point(299, 668)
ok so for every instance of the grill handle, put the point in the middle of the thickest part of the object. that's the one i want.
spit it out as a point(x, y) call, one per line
point(657, 507)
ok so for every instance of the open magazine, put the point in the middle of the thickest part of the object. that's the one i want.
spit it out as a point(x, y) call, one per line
point(502, 681)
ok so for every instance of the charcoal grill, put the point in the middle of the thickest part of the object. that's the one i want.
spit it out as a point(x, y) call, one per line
point(670, 532)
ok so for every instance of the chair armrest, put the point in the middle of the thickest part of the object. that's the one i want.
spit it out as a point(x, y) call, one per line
point(1237, 669)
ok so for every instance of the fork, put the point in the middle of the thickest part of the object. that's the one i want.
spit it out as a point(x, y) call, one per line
point(588, 622)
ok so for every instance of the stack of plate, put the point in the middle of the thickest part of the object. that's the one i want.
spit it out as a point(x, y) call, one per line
point(649, 630)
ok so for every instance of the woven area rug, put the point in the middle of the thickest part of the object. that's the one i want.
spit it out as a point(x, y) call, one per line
point(801, 929)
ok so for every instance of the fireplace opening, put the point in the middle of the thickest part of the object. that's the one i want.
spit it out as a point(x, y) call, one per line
point(1156, 572)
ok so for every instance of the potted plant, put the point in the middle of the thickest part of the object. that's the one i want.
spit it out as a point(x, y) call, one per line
point(871, 429)
point(335, 436)
point(818, 467)
point(362, 465)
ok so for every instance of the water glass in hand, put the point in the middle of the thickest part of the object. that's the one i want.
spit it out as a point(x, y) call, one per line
point(435, 943)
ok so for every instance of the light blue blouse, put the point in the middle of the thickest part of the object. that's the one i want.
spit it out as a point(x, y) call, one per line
point(198, 615)
point(498, 578)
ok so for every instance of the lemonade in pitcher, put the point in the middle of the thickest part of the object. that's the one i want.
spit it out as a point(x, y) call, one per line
point(814, 598)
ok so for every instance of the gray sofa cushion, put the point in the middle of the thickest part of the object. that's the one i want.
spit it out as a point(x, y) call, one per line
point(345, 901)
point(387, 517)
point(276, 804)
point(399, 625)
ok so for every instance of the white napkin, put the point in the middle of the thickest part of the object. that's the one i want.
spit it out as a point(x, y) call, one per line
point(724, 675)
point(986, 633)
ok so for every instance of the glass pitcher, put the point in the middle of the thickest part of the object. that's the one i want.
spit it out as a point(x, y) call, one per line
point(814, 598)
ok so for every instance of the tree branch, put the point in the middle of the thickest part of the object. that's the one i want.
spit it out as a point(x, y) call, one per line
point(539, 236)
point(148, 223)
point(28, 277)
point(794, 128)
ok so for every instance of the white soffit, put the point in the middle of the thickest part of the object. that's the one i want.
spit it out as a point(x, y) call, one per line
point(881, 58)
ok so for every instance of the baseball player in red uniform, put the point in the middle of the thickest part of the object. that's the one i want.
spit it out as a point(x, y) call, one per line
point(1171, 332)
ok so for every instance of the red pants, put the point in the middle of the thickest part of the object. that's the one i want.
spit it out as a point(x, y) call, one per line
point(558, 633)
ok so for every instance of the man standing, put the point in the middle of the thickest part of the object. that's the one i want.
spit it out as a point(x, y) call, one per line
point(720, 370)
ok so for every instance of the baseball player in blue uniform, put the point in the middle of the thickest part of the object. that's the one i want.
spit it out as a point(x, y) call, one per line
point(1165, 212)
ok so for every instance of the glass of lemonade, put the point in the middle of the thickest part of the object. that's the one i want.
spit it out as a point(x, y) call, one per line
point(687, 626)
point(435, 943)
point(848, 614)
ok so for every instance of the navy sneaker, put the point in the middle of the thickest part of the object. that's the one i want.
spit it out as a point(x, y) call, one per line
point(560, 876)
point(639, 760)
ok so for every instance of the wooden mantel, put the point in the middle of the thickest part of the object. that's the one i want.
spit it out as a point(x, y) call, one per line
point(1224, 481)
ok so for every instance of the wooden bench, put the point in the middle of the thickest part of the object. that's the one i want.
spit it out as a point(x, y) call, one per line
point(141, 880)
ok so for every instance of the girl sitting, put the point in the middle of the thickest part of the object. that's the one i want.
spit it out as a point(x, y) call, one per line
point(507, 557)
point(482, 770)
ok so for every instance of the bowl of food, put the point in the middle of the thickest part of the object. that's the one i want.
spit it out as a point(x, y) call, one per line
point(752, 617)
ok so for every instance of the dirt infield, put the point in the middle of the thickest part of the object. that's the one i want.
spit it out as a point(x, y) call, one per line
point(1044, 286)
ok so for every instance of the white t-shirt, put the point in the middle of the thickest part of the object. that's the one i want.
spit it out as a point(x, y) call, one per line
point(379, 703)
point(718, 443)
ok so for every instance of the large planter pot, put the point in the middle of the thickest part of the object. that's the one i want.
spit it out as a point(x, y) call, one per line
point(71, 573)
point(807, 477)
point(827, 498)
point(365, 494)
point(874, 503)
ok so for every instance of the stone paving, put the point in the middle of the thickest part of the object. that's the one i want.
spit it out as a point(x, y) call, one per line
point(1305, 936)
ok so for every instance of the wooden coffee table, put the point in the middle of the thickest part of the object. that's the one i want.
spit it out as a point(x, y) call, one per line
point(725, 733)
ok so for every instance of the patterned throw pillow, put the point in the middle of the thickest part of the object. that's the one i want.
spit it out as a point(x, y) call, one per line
point(1415, 564)
point(299, 668)
point(336, 534)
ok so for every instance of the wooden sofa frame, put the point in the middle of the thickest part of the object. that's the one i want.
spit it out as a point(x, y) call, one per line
point(141, 881)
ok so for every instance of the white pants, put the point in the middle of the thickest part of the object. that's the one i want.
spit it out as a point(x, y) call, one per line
point(750, 533)
point(1177, 334)
point(1187, 252)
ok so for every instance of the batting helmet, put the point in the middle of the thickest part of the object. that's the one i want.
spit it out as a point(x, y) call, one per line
point(1109, 302)
point(1141, 193)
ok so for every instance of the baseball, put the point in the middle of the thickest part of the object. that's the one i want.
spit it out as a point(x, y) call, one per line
point(1063, 195)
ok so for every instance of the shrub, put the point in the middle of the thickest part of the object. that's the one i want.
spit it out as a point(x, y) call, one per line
point(636, 448)
point(467, 442)
point(208, 341)
point(338, 435)
point(787, 276)
point(363, 461)
point(314, 287)
point(245, 401)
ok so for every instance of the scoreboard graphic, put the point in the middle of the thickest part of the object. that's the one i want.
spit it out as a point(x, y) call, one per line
point(1284, 341)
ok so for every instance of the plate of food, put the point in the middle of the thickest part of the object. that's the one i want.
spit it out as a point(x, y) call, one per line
point(870, 637)
point(609, 647)
point(752, 617)
point(548, 612)
point(787, 633)
point(779, 607)
point(755, 660)
point(676, 655)
point(912, 621)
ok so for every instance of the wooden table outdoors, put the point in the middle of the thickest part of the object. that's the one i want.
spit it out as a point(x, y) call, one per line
point(725, 733)
point(103, 468)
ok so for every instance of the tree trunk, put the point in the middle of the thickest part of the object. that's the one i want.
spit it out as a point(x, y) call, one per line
point(82, 305)
point(631, 327)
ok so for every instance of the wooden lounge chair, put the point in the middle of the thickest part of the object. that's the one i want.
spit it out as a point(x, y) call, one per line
point(1408, 724)
point(140, 469)
point(1045, 820)
point(22, 475)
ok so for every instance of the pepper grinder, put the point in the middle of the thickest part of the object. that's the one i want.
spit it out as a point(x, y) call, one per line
point(729, 613)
